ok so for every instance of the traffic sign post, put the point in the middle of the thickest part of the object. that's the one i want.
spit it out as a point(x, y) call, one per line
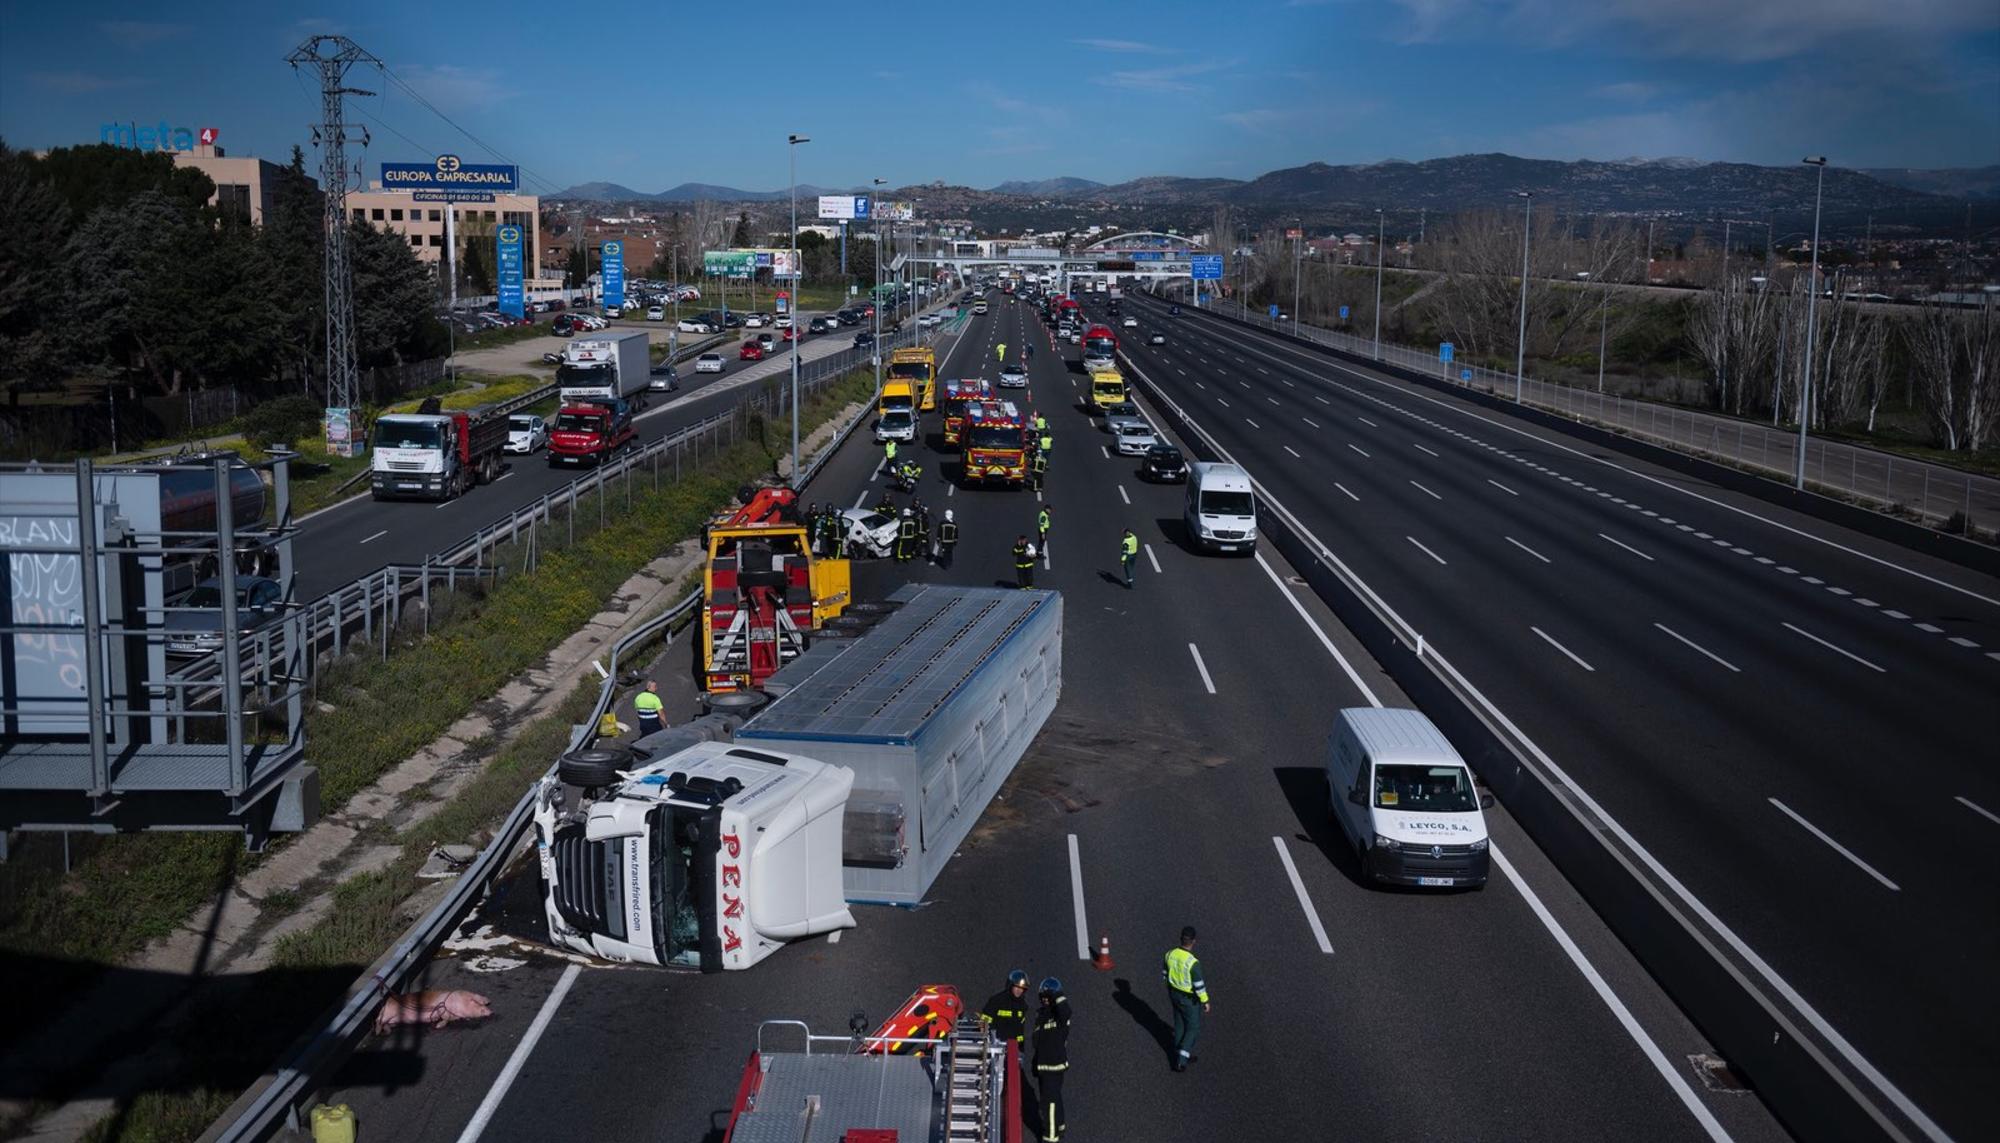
point(1465, 375)
point(1445, 351)
point(1274, 315)
point(1343, 313)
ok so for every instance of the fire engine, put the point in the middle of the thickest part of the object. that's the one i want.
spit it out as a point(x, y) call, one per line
point(762, 591)
point(995, 443)
point(957, 394)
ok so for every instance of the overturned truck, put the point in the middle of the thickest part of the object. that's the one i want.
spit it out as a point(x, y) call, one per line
point(710, 845)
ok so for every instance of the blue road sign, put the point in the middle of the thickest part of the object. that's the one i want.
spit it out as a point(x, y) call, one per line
point(1465, 375)
point(1274, 311)
point(1205, 267)
point(1343, 313)
point(1445, 350)
point(612, 261)
point(513, 302)
point(861, 208)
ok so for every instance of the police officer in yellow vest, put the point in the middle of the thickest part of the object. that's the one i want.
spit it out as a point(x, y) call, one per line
point(1188, 991)
point(1128, 554)
point(651, 711)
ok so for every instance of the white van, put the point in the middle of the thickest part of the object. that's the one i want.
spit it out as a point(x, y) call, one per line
point(1221, 508)
point(1406, 799)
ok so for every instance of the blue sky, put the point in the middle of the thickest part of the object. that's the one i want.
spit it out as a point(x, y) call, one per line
point(976, 93)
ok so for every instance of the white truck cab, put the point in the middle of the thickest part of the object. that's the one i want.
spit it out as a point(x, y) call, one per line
point(1221, 514)
point(709, 858)
point(1406, 800)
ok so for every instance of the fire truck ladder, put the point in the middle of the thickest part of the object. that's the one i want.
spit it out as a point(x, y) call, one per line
point(973, 1061)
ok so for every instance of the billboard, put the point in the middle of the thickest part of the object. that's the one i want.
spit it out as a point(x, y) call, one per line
point(155, 137)
point(513, 302)
point(448, 173)
point(340, 433)
point(611, 259)
point(844, 206)
point(1294, 232)
point(894, 211)
point(729, 263)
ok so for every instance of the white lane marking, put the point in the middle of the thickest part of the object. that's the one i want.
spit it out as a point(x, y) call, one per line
point(1976, 808)
point(475, 1126)
point(1350, 495)
point(1366, 421)
point(503, 476)
point(1784, 988)
point(1964, 642)
point(1305, 901)
point(375, 537)
point(1598, 985)
point(1202, 667)
point(1346, 667)
point(1293, 451)
point(1273, 400)
point(1426, 491)
point(863, 498)
point(1526, 549)
point(1153, 559)
point(1627, 547)
point(1223, 403)
point(1837, 847)
point(1321, 400)
point(1421, 448)
point(444, 504)
point(1310, 421)
point(1547, 638)
point(1358, 448)
point(1122, 495)
point(1837, 650)
point(1106, 450)
point(1199, 385)
point(1699, 647)
point(950, 489)
point(1076, 896)
point(1424, 550)
point(1502, 487)
point(1930, 628)
point(1252, 423)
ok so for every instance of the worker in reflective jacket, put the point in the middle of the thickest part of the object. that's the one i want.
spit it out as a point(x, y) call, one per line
point(1024, 562)
point(906, 537)
point(1006, 1011)
point(1051, 1058)
point(948, 543)
point(1189, 993)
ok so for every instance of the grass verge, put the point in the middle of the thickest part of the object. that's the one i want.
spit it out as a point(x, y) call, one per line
point(121, 892)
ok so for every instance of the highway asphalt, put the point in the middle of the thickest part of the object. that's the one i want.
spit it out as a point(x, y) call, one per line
point(1796, 720)
point(351, 539)
point(1182, 769)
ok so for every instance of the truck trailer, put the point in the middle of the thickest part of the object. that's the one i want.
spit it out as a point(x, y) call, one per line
point(436, 455)
point(607, 367)
point(708, 845)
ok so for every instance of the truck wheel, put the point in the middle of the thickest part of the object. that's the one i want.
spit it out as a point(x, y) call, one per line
point(594, 767)
point(872, 607)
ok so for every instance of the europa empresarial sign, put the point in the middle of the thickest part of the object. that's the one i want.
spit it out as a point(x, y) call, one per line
point(447, 179)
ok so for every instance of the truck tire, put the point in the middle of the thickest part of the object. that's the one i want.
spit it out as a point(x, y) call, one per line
point(873, 607)
point(741, 704)
point(594, 767)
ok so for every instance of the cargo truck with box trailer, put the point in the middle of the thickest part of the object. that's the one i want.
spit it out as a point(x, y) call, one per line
point(611, 366)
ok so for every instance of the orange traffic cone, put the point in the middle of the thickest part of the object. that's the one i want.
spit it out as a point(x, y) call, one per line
point(1102, 961)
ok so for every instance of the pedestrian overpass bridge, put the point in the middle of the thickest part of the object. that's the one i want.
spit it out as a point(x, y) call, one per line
point(1144, 254)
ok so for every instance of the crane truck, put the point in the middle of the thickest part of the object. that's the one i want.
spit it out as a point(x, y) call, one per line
point(763, 591)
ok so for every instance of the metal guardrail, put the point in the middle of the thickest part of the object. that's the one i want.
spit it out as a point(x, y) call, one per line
point(278, 1103)
point(1790, 1054)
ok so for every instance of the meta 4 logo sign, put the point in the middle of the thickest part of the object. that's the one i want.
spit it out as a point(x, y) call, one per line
point(156, 137)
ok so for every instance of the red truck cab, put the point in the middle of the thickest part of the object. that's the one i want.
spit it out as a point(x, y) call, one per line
point(590, 432)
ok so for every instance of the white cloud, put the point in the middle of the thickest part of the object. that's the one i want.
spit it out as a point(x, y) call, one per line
point(1163, 80)
point(135, 34)
point(1741, 31)
point(1132, 46)
point(1256, 118)
point(80, 82)
point(455, 88)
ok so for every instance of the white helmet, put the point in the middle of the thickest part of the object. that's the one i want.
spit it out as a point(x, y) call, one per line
point(947, 513)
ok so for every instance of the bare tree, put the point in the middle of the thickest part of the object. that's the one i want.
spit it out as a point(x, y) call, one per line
point(1953, 356)
point(1478, 304)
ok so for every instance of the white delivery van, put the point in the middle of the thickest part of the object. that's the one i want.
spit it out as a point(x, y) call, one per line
point(1406, 799)
point(1221, 508)
point(710, 858)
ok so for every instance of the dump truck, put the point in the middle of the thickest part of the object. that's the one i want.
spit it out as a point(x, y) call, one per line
point(434, 454)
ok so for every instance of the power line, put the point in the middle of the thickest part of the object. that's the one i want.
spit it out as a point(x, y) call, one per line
point(413, 93)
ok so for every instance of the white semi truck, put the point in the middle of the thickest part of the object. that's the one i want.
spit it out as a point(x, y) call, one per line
point(611, 366)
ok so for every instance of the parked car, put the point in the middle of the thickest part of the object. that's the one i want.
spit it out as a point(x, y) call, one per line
point(194, 633)
point(614, 311)
point(656, 313)
point(708, 363)
point(751, 351)
point(665, 379)
point(1013, 376)
point(1163, 462)
point(694, 325)
point(1133, 438)
point(526, 432)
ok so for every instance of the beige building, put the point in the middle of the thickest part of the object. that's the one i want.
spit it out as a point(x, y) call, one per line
point(242, 186)
point(422, 223)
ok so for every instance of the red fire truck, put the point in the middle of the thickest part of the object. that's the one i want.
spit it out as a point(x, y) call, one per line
point(957, 394)
point(763, 591)
point(995, 443)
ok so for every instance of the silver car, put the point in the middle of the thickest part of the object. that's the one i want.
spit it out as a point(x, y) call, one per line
point(1133, 438)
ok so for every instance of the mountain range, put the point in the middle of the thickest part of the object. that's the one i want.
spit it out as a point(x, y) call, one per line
point(1687, 188)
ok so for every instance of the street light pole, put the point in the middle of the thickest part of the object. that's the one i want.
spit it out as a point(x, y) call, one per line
point(875, 302)
point(792, 151)
point(1298, 261)
point(1521, 336)
point(1812, 297)
point(1378, 285)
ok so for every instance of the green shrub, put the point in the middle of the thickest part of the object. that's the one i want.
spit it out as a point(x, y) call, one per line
point(283, 419)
